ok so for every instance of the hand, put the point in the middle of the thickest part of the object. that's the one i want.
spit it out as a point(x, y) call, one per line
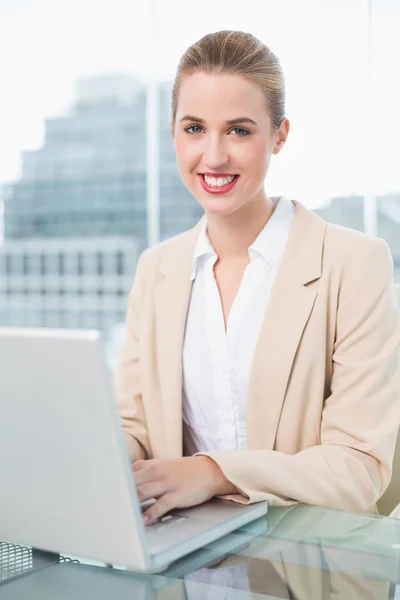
point(178, 483)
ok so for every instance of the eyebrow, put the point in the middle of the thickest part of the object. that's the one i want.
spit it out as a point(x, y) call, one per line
point(230, 122)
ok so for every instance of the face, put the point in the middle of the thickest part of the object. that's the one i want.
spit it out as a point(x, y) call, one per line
point(224, 141)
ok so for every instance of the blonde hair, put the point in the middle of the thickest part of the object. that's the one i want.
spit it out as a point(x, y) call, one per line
point(236, 53)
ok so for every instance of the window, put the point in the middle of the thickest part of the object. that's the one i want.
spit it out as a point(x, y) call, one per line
point(62, 193)
point(99, 263)
point(71, 260)
point(61, 264)
point(25, 264)
point(42, 264)
point(8, 264)
point(90, 267)
point(51, 263)
point(385, 172)
point(16, 264)
point(120, 263)
point(80, 263)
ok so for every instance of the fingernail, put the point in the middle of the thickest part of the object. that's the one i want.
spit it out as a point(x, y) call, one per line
point(146, 520)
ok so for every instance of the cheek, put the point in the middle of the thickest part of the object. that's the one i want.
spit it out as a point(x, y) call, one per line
point(185, 151)
point(255, 156)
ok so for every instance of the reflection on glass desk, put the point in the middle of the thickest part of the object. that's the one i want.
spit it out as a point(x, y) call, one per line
point(295, 553)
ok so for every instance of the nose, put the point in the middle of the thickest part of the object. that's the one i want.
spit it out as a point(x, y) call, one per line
point(214, 153)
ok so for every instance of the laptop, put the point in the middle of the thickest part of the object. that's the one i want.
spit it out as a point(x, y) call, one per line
point(67, 580)
point(66, 478)
point(87, 580)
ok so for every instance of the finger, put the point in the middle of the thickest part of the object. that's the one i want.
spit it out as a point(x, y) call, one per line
point(147, 474)
point(166, 503)
point(139, 464)
point(151, 490)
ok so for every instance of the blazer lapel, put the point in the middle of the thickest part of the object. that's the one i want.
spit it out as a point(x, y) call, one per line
point(172, 295)
point(288, 311)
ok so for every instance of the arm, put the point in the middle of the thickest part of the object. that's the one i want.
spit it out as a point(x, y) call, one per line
point(127, 378)
point(352, 466)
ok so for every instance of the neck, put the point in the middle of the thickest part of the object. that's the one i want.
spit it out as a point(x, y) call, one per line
point(231, 235)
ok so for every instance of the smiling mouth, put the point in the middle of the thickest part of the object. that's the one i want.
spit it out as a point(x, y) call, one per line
point(218, 181)
point(218, 185)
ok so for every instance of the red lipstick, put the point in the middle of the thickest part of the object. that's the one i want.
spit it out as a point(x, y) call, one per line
point(214, 189)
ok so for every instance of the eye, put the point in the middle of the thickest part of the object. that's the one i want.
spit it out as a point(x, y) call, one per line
point(240, 131)
point(190, 129)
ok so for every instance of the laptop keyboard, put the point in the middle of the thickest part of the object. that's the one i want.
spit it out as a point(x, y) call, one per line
point(164, 521)
point(167, 520)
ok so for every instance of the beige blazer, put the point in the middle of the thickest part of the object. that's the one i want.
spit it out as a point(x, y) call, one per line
point(323, 404)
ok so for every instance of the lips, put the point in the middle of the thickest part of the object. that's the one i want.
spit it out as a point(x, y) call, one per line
point(217, 190)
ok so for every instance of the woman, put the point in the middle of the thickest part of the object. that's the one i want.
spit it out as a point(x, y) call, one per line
point(262, 353)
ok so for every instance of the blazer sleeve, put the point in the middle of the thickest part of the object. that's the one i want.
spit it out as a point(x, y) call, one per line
point(127, 378)
point(351, 467)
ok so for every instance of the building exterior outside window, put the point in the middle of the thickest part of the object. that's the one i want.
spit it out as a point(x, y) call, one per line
point(42, 299)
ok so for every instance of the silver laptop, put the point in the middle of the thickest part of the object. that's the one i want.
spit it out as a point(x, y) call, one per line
point(67, 580)
point(66, 479)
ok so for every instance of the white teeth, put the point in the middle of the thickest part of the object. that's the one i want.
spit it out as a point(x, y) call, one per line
point(218, 182)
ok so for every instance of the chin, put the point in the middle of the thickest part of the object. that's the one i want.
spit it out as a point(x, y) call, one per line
point(220, 207)
point(212, 208)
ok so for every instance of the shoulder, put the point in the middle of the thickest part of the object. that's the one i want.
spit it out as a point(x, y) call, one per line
point(348, 247)
point(333, 250)
point(355, 261)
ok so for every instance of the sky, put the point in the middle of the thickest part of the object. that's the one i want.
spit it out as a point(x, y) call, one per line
point(47, 45)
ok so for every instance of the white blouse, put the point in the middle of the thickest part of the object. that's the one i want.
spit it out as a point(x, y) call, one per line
point(217, 363)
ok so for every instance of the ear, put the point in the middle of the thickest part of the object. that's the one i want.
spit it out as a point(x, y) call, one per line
point(172, 127)
point(281, 135)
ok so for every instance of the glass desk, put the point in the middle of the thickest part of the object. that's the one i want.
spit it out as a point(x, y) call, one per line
point(295, 553)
